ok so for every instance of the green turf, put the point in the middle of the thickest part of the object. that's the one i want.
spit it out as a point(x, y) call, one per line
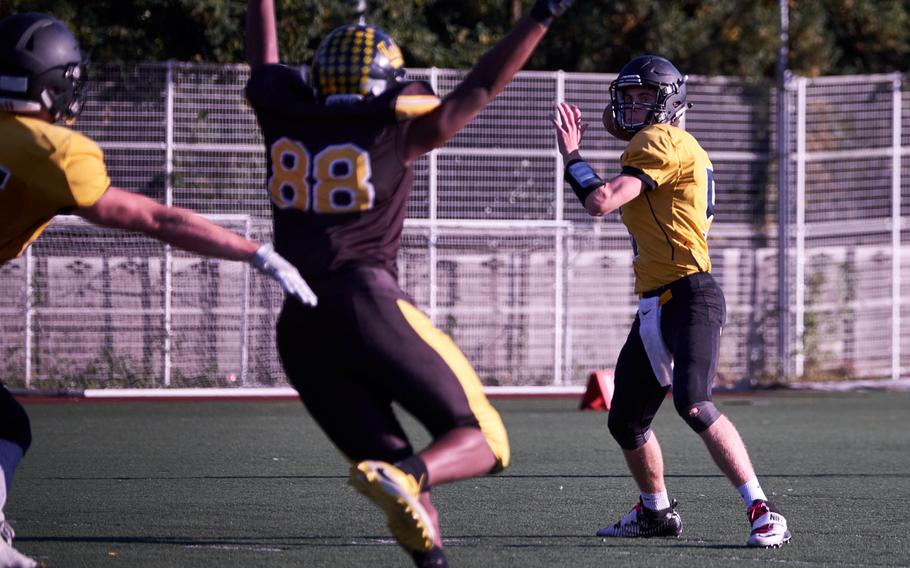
point(256, 484)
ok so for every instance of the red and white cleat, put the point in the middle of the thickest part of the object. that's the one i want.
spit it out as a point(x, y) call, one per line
point(769, 527)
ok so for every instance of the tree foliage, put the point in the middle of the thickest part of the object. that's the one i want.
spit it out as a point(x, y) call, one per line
point(715, 37)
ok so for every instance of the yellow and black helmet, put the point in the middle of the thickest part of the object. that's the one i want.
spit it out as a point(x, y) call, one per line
point(356, 59)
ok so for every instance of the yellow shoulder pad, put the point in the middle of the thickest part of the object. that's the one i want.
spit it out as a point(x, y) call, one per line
point(408, 107)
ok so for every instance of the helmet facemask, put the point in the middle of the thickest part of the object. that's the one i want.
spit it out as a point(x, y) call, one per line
point(64, 97)
point(625, 109)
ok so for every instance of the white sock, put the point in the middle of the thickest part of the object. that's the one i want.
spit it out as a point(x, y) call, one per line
point(10, 454)
point(655, 501)
point(750, 491)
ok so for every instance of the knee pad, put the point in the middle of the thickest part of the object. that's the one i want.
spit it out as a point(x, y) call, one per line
point(14, 423)
point(699, 416)
point(629, 434)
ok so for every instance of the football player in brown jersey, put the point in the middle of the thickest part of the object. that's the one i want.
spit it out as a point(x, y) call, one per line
point(47, 169)
point(340, 150)
point(666, 194)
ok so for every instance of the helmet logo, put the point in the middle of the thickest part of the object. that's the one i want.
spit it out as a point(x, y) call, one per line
point(392, 53)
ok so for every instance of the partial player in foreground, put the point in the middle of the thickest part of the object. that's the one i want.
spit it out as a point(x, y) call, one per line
point(47, 169)
point(340, 151)
point(666, 191)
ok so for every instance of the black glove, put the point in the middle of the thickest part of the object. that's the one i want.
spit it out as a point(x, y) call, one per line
point(545, 10)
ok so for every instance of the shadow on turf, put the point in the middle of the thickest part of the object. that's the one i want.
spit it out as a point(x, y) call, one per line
point(299, 541)
point(859, 475)
point(286, 541)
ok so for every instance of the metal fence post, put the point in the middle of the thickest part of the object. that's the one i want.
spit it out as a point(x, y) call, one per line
point(560, 319)
point(245, 315)
point(169, 201)
point(896, 256)
point(29, 314)
point(783, 227)
point(799, 278)
point(783, 190)
point(433, 205)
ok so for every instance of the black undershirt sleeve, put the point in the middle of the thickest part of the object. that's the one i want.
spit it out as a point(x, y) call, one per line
point(650, 184)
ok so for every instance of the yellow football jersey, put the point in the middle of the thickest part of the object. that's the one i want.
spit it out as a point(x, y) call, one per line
point(669, 220)
point(44, 170)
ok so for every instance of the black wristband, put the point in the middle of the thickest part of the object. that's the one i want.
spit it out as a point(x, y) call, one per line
point(583, 179)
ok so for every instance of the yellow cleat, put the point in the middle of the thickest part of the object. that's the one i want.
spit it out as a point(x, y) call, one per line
point(398, 495)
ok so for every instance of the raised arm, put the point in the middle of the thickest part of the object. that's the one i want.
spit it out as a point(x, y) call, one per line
point(597, 196)
point(487, 79)
point(119, 209)
point(261, 37)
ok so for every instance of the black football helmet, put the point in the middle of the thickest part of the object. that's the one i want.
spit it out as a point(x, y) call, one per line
point(356, 60)
point(41, 67)
point(650, 71)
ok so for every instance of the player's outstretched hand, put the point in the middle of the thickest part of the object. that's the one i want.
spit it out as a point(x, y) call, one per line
point(270, 262)
point(569, 127)
point(545, 10)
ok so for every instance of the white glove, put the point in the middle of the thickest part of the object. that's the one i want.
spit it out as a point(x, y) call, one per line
point(273, 264)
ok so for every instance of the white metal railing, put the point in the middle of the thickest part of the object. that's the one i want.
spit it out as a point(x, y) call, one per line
point(563, 316)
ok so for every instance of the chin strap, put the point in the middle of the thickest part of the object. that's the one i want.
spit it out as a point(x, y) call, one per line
point(679, 114)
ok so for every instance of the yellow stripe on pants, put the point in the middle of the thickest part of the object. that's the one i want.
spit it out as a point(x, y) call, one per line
point(487, 417)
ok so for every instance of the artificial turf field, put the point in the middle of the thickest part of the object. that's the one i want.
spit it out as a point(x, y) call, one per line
point(256, 484)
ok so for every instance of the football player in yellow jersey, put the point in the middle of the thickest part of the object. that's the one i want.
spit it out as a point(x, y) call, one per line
point(46, 170)
point(666, 194)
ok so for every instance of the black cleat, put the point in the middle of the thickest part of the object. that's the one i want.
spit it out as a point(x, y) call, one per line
point(642, 522)
point(433, 558)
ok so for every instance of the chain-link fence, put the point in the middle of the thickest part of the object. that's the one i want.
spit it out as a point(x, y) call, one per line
point(496, 248)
